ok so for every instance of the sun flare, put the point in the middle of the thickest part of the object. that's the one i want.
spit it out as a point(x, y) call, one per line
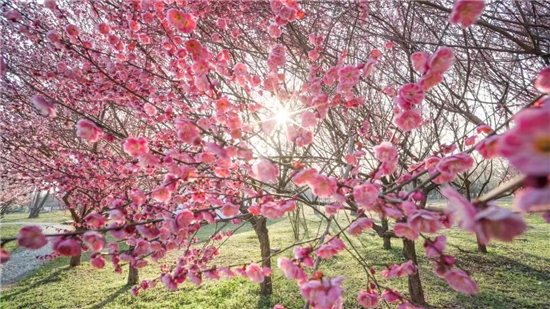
point(282, 116)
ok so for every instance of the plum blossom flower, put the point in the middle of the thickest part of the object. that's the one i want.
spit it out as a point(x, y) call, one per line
point(441, 60)
point(411, 93)
point(44, 106)
point(385, 152)
point(460, 281)
point(88, 130)
point(532, 199)
point(425, 221)
point(184, 22)
point(31, 237)
point(135, 146)
point(488, 147)
point(527, 145)
point(367, 298)
point(434, 248)
point(491, 222)
point(330, 248)
point(230, 210)
point(255, 273)
point(265, 171)
point(404, 230)
point(420, 61)
point(291, 270)
point(365, 195)
point(322, 293)
point(305, 176)
point(323, 186)
point(466, 12)
point(97, 261)
point(455, 164)
point(67, 247)
point(161, 194)
point(542, 83)
point(359, 226)
point(94, 240)
point(407, 120)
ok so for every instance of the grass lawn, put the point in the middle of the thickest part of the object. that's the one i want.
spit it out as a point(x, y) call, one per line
point(513, 275)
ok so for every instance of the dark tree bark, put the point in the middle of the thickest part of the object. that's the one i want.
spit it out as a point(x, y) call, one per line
point(387, 239)
point(133, 276)
point(260, 227)
point(38, 205)
point(480, 247)
point(75, 260)
point(415, 285)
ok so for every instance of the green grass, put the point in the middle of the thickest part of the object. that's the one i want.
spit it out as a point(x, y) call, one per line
point(513, 275)
point(57, 216)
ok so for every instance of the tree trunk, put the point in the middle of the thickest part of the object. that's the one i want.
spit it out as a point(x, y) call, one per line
point(75, 260)
point(480, 247)
point(387, 239)
point(260, 227)
point(38, 205)
point(415, 285)
point(133, 276)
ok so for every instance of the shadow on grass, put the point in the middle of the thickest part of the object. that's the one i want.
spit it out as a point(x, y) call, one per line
point(112, 297)
point(53, 277)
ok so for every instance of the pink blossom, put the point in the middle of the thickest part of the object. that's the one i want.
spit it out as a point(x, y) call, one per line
point(138, 197)
point(88, 130)
point(169, 282)
point(442, 60)
point(97, 261)
point(367, 298)
point(425, 221)
point(323, 186)
point(429, 80)
point(31, 237)
point(527, 145)
point(460, 208)
point(359, 226)
point(542, 83)
point(291, 270)
point(532, 199)
point(240, 69)
point(103, 28)
point(322, 293)
point(230, 210)
point(308, 119)
point(161, 194)
point(435, 248)
point(420, 61)
point(460, 281)
point(391, 295)
point(272, 211)
point(404, 230)
point(184, 22)
point(67, 247)
point(187, 131)
point(411, 93)
point(407, 120)
point(44, 106)
point(94, 240)
point(117, 233)
point(330, 248)
point(499, 223)
point(348, 76)
point(455, 164)
point(255, 273)
point(305, 176)
point(274, 31)
point(488, 147)
point(95, 220)
point(265, 171)
point(135, 146)
point(466, 12)
point(4, 256)
point(365, 195)
point(385, 152)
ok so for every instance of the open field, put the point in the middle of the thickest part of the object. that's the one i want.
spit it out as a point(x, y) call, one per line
point(515, 275)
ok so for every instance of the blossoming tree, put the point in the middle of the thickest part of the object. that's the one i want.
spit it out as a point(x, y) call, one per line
point(153, 119)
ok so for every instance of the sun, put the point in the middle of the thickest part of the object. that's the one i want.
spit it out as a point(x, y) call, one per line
point(282, 116)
